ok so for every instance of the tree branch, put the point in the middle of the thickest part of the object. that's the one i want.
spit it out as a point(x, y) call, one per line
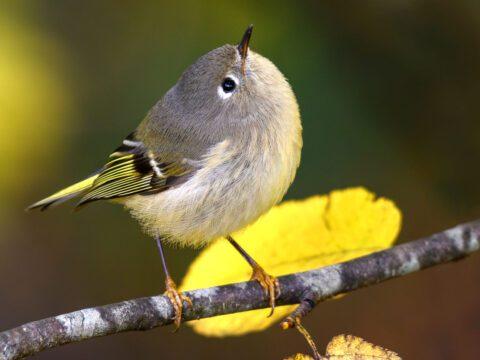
point(320, 284)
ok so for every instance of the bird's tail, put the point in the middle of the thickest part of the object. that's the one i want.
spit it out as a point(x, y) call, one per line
point(65, 194)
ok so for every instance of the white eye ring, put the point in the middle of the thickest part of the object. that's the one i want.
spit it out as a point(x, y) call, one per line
point(221, 92)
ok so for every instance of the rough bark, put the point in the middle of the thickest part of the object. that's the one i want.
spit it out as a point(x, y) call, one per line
point(317, 285)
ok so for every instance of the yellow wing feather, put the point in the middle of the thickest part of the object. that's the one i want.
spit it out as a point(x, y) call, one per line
point(65, 194)
point(131, 169)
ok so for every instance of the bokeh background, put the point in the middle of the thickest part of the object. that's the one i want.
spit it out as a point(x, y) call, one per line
point(389, 97)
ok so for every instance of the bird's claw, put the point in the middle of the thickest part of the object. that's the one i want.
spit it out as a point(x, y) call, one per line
point(177, 299)
point(270, 285)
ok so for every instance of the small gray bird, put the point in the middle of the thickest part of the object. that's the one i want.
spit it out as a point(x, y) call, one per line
point(217, 151)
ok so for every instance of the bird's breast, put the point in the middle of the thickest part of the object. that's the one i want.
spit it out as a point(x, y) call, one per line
point(237, 181)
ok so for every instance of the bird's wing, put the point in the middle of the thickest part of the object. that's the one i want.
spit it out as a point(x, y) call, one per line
point(131, 169)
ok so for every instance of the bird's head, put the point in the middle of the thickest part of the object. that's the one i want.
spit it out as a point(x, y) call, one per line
point(231, 87)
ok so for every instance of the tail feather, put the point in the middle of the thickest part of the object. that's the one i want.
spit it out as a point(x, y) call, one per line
point(64, 195)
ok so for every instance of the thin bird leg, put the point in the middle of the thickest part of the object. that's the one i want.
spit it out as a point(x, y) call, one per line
point(176, 297)
point(268, 282)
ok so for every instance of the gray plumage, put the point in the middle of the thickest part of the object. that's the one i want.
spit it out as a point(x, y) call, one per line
point(205, 162)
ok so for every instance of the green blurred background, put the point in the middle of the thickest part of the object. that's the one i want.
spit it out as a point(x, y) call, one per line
point(389, 96)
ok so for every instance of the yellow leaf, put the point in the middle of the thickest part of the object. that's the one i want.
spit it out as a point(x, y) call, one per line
point(294, 236)
point(349, 347)
point(299, 357)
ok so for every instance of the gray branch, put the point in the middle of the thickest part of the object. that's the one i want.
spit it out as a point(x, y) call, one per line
point(323, 283)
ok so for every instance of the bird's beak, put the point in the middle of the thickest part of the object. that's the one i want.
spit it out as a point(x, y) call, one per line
point(243, 46)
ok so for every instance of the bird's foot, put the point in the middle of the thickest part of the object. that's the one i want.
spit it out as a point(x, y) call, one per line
point(177, 299)
point(269, 283)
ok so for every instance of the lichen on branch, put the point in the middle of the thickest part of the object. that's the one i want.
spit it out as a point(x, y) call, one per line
point(323, 283)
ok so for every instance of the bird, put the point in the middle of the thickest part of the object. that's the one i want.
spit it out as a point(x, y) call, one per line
point(217, 151)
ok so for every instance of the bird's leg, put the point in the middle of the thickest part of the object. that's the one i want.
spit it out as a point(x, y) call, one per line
point(268, 282)
point(176, 297)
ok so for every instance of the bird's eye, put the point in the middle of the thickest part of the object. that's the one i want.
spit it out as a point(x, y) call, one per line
point(228, 85)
